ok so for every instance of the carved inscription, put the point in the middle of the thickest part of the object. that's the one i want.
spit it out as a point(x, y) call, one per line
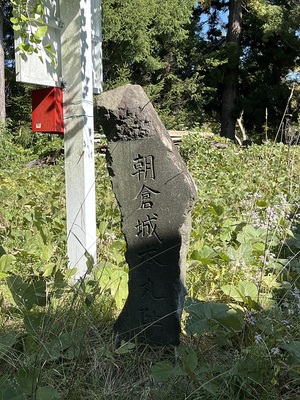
point(150, 317)
point(146, 227)
point(155, 193)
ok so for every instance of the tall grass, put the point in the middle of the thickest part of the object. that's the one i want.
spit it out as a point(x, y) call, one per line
point(240, 329)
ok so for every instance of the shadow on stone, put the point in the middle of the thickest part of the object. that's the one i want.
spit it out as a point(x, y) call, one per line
point(156, 194)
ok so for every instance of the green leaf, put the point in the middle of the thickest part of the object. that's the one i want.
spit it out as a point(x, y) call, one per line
point(66, 346)
point(26, 47)
point(41, 31)
point(2, 251)
point(47, 393)
point(46, 252)
point(17, 287)
point(14, 20)
point(114, 279)
point(49, 49)
point(224, 256)
point(24, 18)
point(28, 379)
point(125, 347)
point(189, 359)
point(250, 369)
point(164, 370)
point(11, 390)
point(216, 210)
point(17, 28)
point(48, 269)
point(35, 293)
point(6, 261)
point(7, 340)
point(242, 291)
point(207, 316)
point(205, 255)
point(293, 348)
point(261, 203)
point(90, 262)
point(231, 319)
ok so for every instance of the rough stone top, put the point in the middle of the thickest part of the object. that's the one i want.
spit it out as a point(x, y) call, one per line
point(126, 113)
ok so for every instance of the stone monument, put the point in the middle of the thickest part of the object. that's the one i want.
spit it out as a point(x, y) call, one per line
point(155, 193)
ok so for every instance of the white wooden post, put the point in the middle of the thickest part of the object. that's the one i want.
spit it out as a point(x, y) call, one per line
point(77, 73)
point(74, 31)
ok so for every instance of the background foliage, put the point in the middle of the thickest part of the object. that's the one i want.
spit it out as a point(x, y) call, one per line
point(179, 52)
point(241, 322)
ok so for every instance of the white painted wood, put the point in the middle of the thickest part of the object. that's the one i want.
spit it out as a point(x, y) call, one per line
point(29, 68)
point(74, 31)
point(79, 132)
point(96, 13)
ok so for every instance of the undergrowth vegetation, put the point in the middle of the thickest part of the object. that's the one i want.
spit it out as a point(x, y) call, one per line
point(241, 330)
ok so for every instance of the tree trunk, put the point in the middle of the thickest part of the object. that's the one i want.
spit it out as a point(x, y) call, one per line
point(2, 68)
point(230, 87)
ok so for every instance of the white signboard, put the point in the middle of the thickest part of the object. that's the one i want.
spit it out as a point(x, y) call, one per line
point(48, 72)
point(29, 67)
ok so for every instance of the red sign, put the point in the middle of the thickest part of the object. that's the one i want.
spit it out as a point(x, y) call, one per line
point(47, 110)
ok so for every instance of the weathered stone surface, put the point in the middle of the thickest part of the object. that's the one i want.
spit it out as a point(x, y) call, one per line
point(156, 194)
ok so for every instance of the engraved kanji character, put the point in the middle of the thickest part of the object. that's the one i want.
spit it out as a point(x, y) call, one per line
point(148, 289)
point(148, 256)
point(144, 167)
point(145, 196)
point(148, 316)
point(147, 228)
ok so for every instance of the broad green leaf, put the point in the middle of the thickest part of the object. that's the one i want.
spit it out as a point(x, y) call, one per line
point(224, 256)
point(206, 255)
point(6, 262)
point(164, 370)
point(41, 31)
point(47, 393)
point(293, 348)
point(7, 340)
point(11, 390)
point(114, 279)
point(46, 252)
point(250, 369)
point(17, 28)
point(14, 20)
point(35, 293)
point(189, 359)
point(17, 287)
point(48, 269)
point(28, 379)
point(206, 316)
point(241, 291)
point(65, 346)
point(231, 319)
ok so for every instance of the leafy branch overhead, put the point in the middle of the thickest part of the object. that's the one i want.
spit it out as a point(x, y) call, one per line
point(28, 22)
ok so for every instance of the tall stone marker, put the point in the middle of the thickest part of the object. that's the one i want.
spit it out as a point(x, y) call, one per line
point(156, 194)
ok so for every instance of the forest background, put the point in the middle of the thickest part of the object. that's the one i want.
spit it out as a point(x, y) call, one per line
point(206, 64)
